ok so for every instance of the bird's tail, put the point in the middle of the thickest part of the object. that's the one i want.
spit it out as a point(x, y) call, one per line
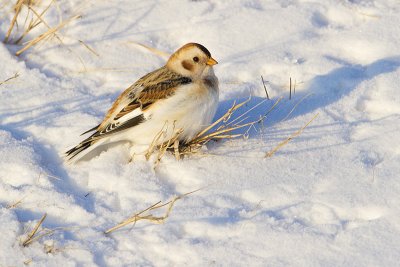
point(82, 149)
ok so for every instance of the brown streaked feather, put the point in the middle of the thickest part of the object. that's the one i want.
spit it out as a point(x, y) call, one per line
point(156, 85)
point(161, 90)
point(113, 109)
point(130, 107)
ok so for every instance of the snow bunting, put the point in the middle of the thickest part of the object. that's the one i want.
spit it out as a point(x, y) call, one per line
point(182, 95)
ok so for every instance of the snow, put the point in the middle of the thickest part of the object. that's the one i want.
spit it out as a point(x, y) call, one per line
point(328, 198)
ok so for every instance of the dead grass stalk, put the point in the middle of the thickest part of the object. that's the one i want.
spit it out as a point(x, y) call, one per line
point(17, 9)
point(45, 35)
point(286, 141)
point(151, 49)
point(224, 127)
point(16, 75)
point(31, 236)
point(33, 23)
point(144, 215)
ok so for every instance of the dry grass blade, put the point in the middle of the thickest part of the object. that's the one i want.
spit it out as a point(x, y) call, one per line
point(155, 141)
point(163, 141)
point(283, 143)
point(224, 117)
point(149, 217)
point(30, 239)
point(137, 217)
point(17, 9)
point(37, 237)
point(35, 22)
point(152, 49)
point(39, 19)
point(89, 48)
point(45, 35)
point(224, 131)
point(15, 204)
point(88, 70)
point(245, 113)
point(265, 88)
point(218, 133)
point(273, 106)
point(16, 75)
point(222, 128)
point(167, 145)
point(295, 106)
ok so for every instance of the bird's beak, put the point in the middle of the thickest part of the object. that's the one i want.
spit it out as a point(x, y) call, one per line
point(211, 62)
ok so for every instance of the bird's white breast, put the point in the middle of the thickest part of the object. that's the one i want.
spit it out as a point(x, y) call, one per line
point(191, 109)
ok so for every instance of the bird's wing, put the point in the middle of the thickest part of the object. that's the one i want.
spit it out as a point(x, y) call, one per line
point(127, 110)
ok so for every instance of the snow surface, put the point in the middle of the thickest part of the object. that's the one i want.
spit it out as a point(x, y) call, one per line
point(328, 198)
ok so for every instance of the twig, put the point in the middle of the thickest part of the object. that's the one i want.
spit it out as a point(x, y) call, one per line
point(283, 143)
point(16, 75)
point(290, 88)
point(265, 88)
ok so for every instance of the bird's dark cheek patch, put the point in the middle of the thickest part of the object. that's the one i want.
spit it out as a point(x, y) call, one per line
point(187, 65)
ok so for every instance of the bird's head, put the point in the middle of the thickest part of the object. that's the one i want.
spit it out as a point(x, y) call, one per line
point(192, 60)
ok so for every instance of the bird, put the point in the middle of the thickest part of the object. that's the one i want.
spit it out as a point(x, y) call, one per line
point(181, 95)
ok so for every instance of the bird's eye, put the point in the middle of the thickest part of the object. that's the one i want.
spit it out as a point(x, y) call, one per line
point(196, 59)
